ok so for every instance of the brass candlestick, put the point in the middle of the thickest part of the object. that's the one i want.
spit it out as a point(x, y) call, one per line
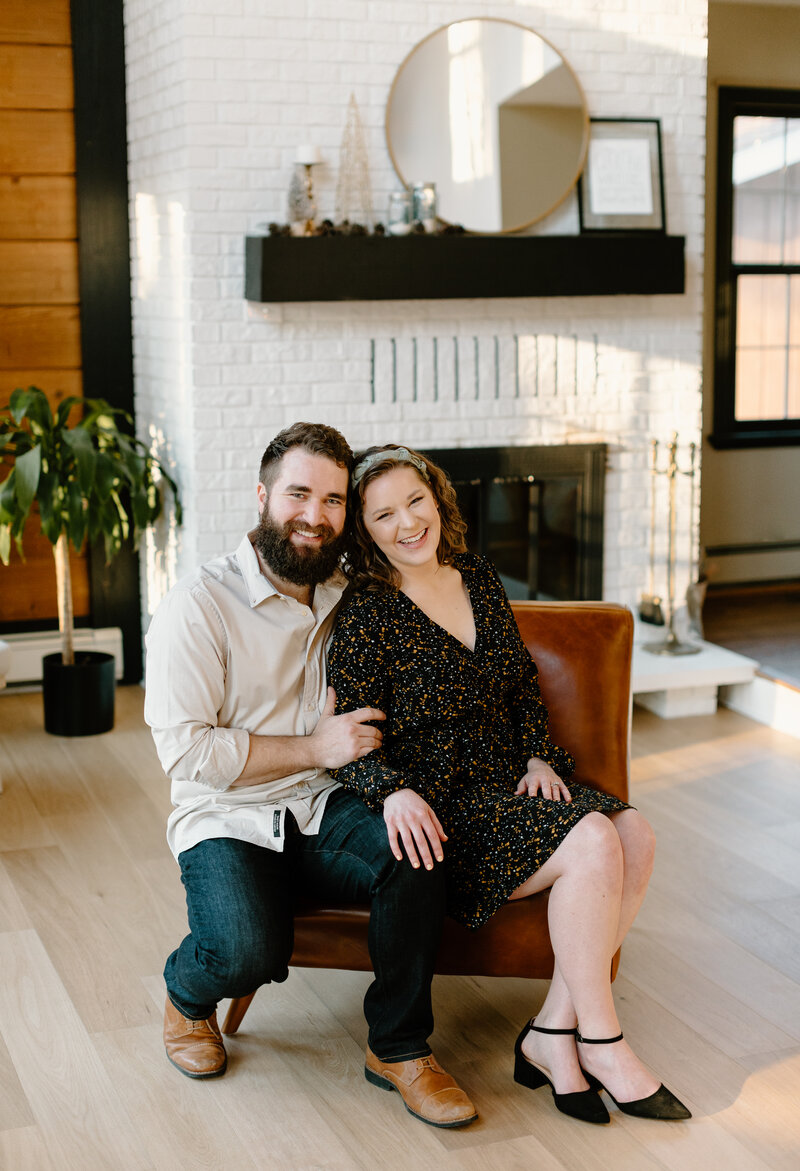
point(308, 156)
point(311, 213)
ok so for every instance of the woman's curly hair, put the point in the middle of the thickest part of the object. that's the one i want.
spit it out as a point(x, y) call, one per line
point(366, 566)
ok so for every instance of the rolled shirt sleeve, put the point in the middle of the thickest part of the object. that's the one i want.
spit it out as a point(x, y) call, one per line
point(187, 653)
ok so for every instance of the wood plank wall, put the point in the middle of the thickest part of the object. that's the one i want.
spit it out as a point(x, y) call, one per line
point(39, 300)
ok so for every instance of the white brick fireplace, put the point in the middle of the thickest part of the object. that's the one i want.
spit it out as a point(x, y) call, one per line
point(220, 94)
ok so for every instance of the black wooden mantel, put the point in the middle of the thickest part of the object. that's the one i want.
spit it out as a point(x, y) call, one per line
point(385, 268)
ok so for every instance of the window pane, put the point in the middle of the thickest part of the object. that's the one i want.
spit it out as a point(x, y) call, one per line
point(761, 311)
point(793, 216)
point(793, 375)
point(793, 408)
point(794, 310)
point(760, 384)
point(767, 311)
point(766, 187)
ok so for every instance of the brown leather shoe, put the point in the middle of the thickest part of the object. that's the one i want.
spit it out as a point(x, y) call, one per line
point(193, 1047)
point(427, 1091)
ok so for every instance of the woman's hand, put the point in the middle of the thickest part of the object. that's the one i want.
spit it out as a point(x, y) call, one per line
point(540, 778)
point(410, 820)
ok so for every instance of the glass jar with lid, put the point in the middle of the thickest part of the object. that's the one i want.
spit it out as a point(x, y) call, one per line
point(423, 209)
point(399, 219)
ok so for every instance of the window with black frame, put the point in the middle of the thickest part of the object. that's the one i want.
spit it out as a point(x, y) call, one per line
point(757, 348)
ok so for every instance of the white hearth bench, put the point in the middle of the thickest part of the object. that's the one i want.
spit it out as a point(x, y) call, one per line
point(684, 685)
point(693, 685)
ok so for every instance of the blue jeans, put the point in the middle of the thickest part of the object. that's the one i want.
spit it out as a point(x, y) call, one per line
point(240, 901)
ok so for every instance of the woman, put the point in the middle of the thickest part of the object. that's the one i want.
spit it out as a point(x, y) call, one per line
point(428, 636)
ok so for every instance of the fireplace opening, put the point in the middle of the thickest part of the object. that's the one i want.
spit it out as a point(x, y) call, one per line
point(536, 512)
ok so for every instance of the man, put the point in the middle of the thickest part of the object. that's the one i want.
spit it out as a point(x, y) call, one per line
point(244, 728)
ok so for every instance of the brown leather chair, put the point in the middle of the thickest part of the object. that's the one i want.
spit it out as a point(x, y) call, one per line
point(583, 652)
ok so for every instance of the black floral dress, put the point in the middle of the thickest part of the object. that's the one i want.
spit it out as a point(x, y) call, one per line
point(460, 728)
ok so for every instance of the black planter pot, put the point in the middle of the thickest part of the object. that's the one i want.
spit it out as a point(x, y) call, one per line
point(79, 700)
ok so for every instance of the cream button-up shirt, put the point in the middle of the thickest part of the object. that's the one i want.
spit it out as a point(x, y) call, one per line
point(227, 656)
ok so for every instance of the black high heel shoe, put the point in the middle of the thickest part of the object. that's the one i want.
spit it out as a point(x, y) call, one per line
point(661, 1104)
point(584, 1104)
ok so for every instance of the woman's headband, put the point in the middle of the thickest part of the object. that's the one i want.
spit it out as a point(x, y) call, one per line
point(391, 454)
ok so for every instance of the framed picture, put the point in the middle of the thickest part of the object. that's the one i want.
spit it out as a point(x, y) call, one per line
point(622, 185)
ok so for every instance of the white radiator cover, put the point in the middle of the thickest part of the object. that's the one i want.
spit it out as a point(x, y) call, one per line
point(28, 650)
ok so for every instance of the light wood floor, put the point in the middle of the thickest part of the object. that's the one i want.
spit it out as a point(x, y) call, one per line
point(762, 622)
point(91, 903)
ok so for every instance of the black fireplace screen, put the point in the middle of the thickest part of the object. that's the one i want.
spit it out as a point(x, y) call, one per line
point(536, 512)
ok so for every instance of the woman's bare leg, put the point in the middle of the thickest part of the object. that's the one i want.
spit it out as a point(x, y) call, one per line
point(591, 907)
point(638, 849)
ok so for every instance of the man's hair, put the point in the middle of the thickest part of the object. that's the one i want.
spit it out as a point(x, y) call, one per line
point(314, 437)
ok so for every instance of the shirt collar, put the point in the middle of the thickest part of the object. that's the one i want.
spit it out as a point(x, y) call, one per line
point(326, 595)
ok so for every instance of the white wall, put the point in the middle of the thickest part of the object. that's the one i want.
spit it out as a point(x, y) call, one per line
point(221, 94)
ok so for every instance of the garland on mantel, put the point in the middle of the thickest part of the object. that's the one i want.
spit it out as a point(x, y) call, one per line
point(345, 228)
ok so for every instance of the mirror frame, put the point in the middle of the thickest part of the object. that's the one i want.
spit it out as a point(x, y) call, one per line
point(586, 125)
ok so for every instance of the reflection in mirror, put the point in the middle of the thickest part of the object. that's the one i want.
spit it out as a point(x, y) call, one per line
point(492, 114)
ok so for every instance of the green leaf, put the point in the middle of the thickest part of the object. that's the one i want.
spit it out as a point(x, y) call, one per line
point(27, 467)
point(8, 498)
point(63, 410)
point(40, 416)
point(77, 515)
point(93, 517)
point(101, 417)
point(124, 525)
point(20, 402)
point(80, 442)
point(51, 489)
point(18, 442)
point(138, 511)
point(52, 525)
point(50, 497)
point(107, 474)
point(109, 519)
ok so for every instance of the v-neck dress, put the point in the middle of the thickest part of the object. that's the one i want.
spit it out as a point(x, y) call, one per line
point(460, 728)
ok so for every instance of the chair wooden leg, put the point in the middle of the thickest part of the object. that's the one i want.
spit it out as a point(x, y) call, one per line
point(235, 1014)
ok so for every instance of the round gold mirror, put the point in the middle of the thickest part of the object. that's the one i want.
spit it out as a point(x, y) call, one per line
point(492, 114)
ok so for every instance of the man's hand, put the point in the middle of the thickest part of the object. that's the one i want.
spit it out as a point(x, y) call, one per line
point(410, 819)
point(541, 778)
point(337, 740)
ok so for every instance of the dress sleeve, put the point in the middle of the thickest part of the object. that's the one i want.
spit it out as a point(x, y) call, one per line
point(531, 720)
point(527, 708)
point(358, 675)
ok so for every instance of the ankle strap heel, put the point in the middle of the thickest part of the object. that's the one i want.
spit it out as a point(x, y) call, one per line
point(597, 1040)
point(662, 1104)
point(583, 1104)
point(553, 1032)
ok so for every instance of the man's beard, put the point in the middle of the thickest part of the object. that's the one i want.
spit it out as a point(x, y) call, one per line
point(303, 566)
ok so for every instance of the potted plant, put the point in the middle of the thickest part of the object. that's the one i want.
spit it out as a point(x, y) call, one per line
point(90, 478)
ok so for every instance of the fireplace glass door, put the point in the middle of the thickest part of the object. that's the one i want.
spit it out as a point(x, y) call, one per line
point(539, 520)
